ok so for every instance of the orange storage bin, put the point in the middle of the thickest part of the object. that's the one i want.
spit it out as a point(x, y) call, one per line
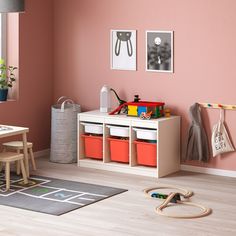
point(93, 146)
point(146, 153)
point(119, 149)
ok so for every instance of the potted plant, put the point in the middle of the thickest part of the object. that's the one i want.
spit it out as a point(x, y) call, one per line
point(7, 77)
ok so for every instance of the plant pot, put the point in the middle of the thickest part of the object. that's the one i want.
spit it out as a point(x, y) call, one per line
point(3, 94)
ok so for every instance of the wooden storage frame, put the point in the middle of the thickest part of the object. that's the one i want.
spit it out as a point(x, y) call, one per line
point(168, 143)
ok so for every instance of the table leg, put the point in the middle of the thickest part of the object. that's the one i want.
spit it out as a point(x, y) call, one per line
point(26, 159)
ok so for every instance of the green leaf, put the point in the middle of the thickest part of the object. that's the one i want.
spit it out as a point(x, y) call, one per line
point(2, 61)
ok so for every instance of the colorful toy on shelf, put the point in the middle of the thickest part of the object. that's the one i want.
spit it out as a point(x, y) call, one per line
point(145, 115)
point(167, 112)
point(136, 107)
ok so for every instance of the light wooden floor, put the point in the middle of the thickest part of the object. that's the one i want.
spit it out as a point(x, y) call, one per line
point(129, 213)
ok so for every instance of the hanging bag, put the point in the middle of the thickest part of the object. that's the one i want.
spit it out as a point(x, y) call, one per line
point(64, 131)
point(220, 139)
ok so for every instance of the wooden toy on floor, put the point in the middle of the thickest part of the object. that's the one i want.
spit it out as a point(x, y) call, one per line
point(175, 197)
point(164, 196)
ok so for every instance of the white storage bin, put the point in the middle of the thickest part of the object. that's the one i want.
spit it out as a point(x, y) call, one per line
point(146, 134)
point(92, 128)
point(119, 131)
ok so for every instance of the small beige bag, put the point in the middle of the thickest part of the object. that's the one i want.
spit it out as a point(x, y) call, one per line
point(220, 139)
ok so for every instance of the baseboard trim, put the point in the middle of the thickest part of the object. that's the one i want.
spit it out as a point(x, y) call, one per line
point(211, 171)
point(45, 152)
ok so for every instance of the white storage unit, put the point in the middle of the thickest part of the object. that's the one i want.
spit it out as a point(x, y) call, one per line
point(165, 130)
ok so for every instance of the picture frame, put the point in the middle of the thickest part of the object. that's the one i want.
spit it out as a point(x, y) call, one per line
point(159, 51)
point(123, 49)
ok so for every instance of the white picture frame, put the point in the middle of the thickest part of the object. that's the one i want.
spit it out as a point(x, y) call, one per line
point(123, 49)
point(159, 51)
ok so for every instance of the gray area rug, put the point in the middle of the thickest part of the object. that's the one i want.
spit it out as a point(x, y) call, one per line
point(52, 196)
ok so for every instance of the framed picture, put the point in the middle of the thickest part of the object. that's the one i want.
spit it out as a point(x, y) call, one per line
point(123, 49)
point(159, 51)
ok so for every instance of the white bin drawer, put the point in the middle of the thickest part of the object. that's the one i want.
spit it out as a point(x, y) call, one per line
point(92, 128)
point(119, 131)
point(146, 134)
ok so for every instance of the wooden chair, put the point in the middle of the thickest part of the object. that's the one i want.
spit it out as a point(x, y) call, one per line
point(7, 158)
point(18, 147)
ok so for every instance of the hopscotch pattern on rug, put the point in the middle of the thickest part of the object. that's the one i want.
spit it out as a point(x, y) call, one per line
point(36, 188)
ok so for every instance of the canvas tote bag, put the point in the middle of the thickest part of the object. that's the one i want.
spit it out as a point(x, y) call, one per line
point(220, 139)
point(64, 131)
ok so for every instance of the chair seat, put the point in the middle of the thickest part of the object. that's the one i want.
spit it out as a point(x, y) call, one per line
point(17, 145)
point(7, 158)
point(10, 156)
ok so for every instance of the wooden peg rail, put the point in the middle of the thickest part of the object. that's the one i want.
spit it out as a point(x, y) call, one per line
point(218, 106)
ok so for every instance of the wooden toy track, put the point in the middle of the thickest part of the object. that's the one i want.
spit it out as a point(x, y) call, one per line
point(172, 196)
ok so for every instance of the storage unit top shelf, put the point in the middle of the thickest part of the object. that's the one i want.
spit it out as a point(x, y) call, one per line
point(120, 116)
point(122, 119)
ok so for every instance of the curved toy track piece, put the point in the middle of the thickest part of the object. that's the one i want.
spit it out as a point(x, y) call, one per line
point(118, 109)
point(184, 193)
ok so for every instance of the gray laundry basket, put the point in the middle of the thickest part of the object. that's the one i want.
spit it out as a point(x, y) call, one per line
point(64, 131)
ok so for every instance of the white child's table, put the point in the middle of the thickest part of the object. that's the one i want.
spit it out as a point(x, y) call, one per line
point(7, 131)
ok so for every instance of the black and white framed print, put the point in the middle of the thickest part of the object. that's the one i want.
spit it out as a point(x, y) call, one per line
point(123, 49)
point(159, 51)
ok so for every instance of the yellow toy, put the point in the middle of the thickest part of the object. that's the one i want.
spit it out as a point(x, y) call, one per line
point(167, 112)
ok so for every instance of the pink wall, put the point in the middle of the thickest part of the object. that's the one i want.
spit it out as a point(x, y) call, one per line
point(204, 55)
point(35, 74)
point(204, 59)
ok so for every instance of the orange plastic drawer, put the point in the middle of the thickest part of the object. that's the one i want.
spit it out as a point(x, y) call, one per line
point(93, 146)
point(119, 149)
point(146, 153)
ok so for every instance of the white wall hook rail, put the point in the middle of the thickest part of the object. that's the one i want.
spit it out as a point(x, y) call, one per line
point(218, 106)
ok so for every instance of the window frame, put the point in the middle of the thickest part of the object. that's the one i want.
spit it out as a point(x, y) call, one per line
point(3, 36)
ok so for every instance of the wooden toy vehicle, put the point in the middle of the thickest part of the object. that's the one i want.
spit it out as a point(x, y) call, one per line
point(145, 115)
